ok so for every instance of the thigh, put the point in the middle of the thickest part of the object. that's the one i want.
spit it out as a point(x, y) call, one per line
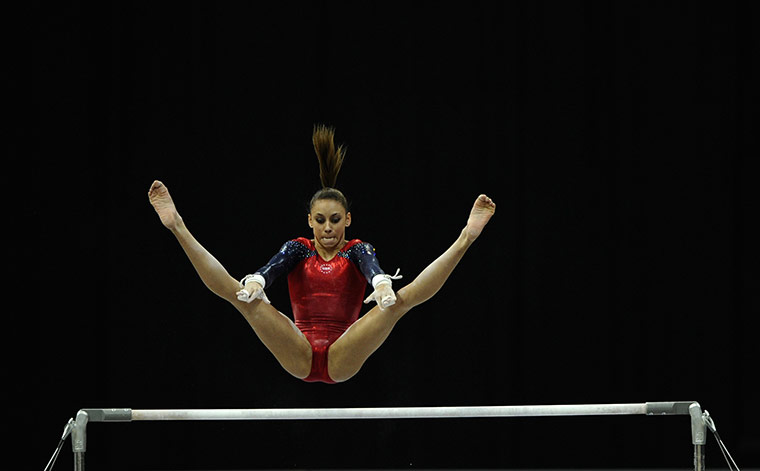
point(348, 354)
point(280, 335)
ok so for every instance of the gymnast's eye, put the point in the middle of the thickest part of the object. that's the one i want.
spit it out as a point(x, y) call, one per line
point(320, 220)
point(335, 219)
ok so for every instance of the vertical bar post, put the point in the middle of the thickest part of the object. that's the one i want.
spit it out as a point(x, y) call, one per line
point(79, 461)
point(699, 458)
point(79, 439)
point(698, 435)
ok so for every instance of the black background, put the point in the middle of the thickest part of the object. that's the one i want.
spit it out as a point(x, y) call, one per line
point(620, 266)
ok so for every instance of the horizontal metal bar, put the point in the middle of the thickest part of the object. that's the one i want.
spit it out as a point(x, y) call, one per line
point(648, 408)
point(390, 412)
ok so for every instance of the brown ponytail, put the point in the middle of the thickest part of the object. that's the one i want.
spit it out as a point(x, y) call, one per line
point(330, 158)
point(330, 162)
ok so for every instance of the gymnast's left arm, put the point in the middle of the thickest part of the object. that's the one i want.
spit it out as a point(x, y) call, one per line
point(363, 254)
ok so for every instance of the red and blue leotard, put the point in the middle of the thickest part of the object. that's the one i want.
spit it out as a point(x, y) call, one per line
point(326, 295)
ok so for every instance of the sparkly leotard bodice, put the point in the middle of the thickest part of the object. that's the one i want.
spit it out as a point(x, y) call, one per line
point(326, 295)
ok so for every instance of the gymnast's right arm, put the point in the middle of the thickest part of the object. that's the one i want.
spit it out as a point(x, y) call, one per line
point(252, 286)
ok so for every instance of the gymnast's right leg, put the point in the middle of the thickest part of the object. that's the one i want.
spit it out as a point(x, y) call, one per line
point(276, 331)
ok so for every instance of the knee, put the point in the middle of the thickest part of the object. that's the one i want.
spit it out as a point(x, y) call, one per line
point(251, 311)
point(404, 301)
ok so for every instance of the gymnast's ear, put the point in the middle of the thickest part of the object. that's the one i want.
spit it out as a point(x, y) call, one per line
point(309, 219)
point(348, 219)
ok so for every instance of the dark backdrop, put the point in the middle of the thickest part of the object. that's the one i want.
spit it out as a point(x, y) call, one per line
point(615, 138)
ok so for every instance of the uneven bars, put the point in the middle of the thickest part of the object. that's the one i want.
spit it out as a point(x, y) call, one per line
point(79, 438)
point(644, 408)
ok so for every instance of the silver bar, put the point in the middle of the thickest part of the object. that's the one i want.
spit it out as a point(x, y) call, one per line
point(391, 412)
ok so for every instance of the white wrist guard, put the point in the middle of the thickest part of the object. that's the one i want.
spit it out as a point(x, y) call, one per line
point(381, 279)
point(245, 296)
point(257, 278)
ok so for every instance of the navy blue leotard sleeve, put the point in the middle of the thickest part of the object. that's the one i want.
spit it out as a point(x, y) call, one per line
point(283, 261)
point(363, 255)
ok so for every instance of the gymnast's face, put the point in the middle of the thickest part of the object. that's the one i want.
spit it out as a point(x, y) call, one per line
point(329, 220)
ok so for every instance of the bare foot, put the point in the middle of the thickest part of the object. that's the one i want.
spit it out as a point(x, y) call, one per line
point(162, 202)
point(481, 213)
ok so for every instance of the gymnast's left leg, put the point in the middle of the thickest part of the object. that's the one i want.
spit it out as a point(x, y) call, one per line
point(347, 355)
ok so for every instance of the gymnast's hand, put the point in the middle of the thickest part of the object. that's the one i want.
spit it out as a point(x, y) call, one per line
point(383, 296)
point(252, 290)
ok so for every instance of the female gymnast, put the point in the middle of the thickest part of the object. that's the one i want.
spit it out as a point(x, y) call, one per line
point(327, 277)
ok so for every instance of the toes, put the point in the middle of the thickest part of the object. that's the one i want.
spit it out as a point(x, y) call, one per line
point(486, 200)
point(157, 189)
